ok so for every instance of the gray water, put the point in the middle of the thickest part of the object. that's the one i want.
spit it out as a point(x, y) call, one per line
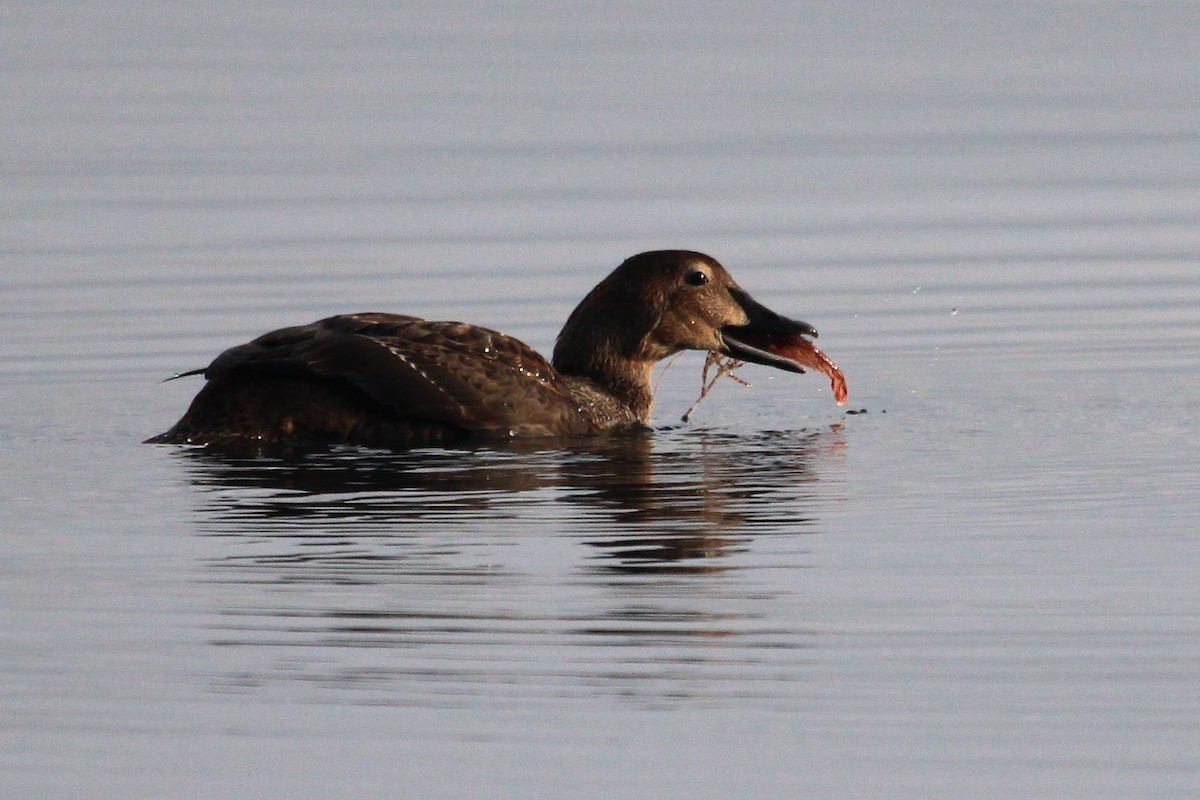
point(983, 586)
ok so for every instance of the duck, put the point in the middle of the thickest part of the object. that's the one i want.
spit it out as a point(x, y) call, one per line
point(394, 381)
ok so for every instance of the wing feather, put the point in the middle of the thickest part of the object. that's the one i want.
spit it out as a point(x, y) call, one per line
point(443, 372)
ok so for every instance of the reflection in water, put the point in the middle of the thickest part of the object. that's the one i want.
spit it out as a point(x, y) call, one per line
point(461, 569)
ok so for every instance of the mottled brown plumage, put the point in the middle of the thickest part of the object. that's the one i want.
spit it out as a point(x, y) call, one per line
point(390, 380)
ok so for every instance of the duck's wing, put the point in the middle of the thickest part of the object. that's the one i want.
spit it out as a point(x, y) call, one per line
point(441, 372)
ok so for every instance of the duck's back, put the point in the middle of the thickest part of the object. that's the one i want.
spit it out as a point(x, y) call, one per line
point(384, 380)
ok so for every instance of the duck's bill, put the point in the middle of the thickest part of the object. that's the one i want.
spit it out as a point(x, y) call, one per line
point(776, 341)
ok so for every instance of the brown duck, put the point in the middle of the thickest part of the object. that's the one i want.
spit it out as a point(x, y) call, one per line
point(389, 380)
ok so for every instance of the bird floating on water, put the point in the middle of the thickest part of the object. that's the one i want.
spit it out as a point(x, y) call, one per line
point(390, 380)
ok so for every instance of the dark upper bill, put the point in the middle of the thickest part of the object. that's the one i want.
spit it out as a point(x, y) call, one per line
point(776, 341)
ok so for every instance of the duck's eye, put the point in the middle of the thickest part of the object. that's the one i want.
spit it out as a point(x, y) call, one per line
point(697, 277)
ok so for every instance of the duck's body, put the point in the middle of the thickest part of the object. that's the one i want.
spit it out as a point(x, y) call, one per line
point(389, 380)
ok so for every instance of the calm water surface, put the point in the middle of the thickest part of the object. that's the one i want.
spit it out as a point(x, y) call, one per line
point(981, 583)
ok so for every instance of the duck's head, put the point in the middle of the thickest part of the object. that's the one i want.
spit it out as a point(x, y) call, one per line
point(659, 303)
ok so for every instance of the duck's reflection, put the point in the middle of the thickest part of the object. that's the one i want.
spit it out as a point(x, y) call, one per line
point(453, 549)
point(643, 502)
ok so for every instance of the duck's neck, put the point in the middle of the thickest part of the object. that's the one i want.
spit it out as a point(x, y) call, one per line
point(627, 382)
point(607, 341)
